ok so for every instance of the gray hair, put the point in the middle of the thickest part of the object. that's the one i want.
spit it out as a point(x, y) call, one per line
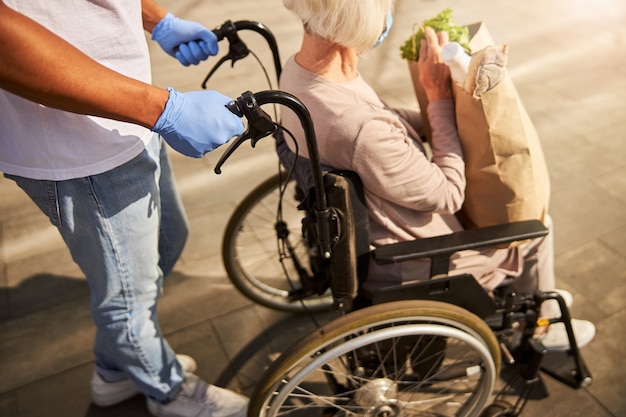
point(351, 23)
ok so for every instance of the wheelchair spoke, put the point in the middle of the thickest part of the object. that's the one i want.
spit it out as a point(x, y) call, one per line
point(258, 263)
point(383, 366)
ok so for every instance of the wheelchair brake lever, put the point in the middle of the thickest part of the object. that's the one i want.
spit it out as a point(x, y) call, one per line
point(260, 125)
point(237, 48)
point(215, 67)
point(229, 151)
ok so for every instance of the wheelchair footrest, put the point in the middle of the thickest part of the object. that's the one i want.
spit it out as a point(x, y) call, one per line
point(563, 367)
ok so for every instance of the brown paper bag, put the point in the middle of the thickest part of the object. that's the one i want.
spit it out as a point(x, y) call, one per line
point(507, 177)
point(422, 100)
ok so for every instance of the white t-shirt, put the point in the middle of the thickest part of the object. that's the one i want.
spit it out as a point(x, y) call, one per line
point(43, 143)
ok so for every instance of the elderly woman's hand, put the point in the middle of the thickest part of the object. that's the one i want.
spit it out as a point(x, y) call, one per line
point(434, 74)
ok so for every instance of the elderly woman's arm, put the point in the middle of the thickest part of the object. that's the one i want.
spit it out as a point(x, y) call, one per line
point(405, 176)
point(395, 168)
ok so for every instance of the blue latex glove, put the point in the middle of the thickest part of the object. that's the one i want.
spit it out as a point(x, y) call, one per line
point(189, 42)
point(197, 122)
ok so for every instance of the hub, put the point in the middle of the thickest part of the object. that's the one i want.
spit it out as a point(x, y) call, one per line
point(380, 396)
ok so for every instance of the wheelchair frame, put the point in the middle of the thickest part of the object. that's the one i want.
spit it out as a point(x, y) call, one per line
point(430, 348)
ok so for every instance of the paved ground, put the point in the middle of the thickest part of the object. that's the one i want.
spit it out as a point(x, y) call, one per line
point(567, 60)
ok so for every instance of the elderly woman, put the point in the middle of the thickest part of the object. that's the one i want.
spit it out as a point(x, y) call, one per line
point(409, 195)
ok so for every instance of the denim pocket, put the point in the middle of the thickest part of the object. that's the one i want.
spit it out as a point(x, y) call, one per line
point(44, 195)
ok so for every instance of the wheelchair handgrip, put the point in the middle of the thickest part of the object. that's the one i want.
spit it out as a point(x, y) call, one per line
point(238, 49)
point(445, 245)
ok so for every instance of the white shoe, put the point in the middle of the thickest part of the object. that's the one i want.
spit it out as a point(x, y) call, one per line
point(555, 338)
point(567, 297)
point(107, 394)
point(198, 399)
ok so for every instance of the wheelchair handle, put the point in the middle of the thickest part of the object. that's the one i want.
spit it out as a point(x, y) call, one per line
point(260, 125)
point(238, 49)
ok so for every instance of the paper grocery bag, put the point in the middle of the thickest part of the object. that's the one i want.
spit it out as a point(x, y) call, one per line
point(422, 100)
point(506, 173)
point(505, 169)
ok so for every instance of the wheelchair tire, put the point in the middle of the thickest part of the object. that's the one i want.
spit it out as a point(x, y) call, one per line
point(250, 250)
point(330, 372)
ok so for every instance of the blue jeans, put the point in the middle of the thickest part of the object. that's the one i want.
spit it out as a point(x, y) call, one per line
point(126, 229)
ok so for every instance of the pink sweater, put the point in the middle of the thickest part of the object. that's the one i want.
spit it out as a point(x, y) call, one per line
point(409, 193)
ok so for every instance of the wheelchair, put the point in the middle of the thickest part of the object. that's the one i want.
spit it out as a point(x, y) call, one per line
point(432, 348)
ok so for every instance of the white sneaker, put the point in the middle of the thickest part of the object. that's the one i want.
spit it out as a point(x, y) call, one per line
point(555, 338)
point(107, 394)
point(567, 297)
point(198, 399)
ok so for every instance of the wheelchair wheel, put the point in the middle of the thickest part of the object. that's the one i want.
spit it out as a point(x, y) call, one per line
point(403, 358)
point(250, 250)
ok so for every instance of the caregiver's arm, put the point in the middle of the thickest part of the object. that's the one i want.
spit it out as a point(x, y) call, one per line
point(39, 66)
point(151, 13)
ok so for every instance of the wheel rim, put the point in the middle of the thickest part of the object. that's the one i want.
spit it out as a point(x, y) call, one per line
point(412, 401)
point(251, 254)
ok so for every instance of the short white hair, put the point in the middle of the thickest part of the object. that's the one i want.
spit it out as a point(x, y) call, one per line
point(351, 23)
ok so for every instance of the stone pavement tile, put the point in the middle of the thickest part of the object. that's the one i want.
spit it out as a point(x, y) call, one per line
point(584, 212)
point(189, 300)
point(14, 202)
point(64, 393)
point(53, 273)
point(572, 158)
point(8, 405)
point(606, 358)
point(45, 343)
point(614, 182)
point(616, 240)
point(67, 394)
point(202, 187)
point(592, 272)
point(203, 342)
point(564, 400)
point(256, 343)
point(596, 276)
point(34, 258)
point(245, 333)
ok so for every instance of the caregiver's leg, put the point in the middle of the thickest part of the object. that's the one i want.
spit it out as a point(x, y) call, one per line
point(111, 224)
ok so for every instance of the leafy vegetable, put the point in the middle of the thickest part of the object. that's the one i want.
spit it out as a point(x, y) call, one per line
point(443, 21)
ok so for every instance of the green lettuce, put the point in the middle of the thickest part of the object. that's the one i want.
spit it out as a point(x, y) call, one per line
point(443, 21)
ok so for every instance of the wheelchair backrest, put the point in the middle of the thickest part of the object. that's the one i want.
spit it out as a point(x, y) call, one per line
point(347, 227)
point(349, 261)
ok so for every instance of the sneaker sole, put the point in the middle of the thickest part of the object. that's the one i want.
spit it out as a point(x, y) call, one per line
point(107, 394)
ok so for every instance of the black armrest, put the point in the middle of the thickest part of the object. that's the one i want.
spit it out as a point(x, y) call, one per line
point(446, 245)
